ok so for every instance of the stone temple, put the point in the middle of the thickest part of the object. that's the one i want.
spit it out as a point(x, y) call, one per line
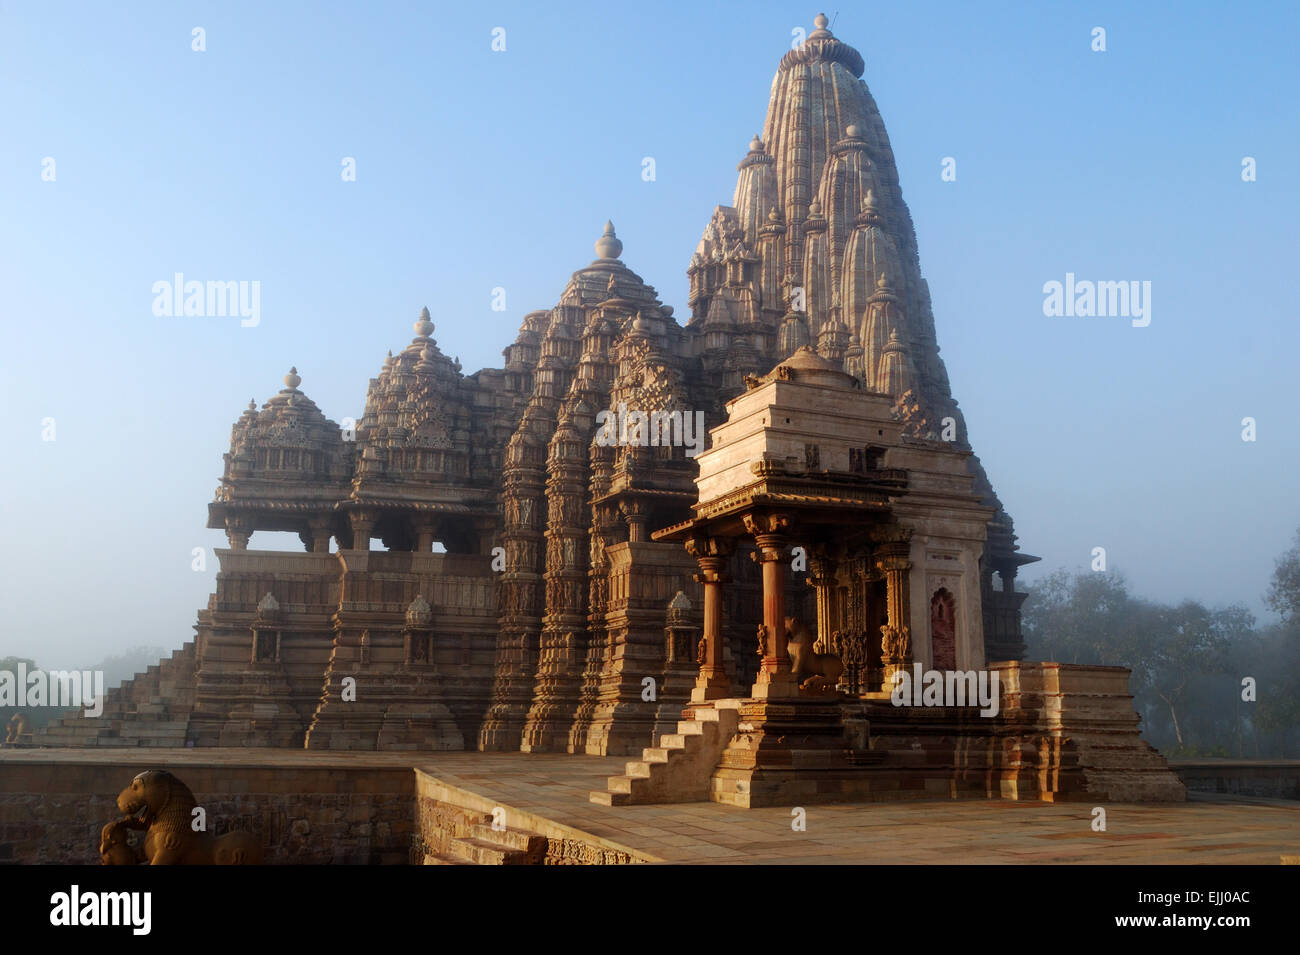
point(511, 571)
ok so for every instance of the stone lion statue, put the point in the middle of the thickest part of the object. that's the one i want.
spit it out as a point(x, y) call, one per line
point(163, 806)
point(814, 671)
point(114, 849)
point(15, 728)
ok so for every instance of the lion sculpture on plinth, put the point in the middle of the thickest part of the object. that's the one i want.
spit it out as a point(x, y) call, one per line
point(163, 806)
point(814, 671)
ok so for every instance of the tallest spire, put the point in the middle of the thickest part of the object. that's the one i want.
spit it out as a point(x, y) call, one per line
point(822, 47)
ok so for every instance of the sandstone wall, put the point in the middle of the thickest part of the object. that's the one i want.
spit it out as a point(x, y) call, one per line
point(52, 812)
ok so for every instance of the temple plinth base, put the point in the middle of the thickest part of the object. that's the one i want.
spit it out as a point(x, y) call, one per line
point(790, 751)
point(711, 686)
point(775, 685)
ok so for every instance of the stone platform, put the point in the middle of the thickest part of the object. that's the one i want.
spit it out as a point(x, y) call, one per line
point(52, 802)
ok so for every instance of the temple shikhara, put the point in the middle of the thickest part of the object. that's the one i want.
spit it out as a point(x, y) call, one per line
point(481, 570)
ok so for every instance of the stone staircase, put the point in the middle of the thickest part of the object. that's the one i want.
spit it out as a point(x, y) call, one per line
point(458, 835)
point(680, 767)
point(483, 845)
point(150, 709)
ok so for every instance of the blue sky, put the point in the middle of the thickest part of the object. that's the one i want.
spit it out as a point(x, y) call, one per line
point(479, 169)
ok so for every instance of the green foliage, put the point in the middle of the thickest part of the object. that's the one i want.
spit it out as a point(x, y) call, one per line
point(1188, 661)
point(1284, 591)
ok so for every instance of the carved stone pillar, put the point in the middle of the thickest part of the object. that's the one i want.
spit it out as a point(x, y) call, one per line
point(363, 522)
point(771, 535)
point(319, 529)
point(637, 516)
point(424, 531)
point(238, 532)
point(896, 635)
point(822, 580)
point(711, 553)
point(487, 530)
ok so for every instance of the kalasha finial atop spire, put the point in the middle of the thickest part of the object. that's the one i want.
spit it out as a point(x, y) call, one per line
point(821, 23)
point(608, 245)
point(756, 144)
point(852, 132)
point(423, 326)
point(292, 380)
point(869, 204)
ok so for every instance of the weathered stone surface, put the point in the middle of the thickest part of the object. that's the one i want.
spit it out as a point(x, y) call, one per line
point(544, 616)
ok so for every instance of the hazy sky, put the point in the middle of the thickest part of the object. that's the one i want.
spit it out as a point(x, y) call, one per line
point(478, 169)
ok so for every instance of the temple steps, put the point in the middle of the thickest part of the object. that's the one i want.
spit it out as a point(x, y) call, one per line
point(483, 845)
point(150, 709)
point(679, 768)
point(433, 858)
point(482, 852)
point(516, 839)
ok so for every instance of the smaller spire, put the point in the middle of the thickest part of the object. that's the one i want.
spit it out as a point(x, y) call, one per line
point(870, 212)
point(426, 366)
point(293, 379)
point(268, 608)
point(419, 614)
point(423, 326)
point(608, 245)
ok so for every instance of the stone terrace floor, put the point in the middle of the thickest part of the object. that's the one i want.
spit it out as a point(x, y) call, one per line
point(1206, 829)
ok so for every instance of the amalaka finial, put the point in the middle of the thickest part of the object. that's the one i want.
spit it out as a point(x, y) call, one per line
point(423, 326)
point(608, 245)
point(293, 379)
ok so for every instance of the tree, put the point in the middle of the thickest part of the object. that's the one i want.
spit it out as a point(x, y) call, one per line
point(1178, 656)
point(1284, 590)
point(1278, 709)
point(1189, 641)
